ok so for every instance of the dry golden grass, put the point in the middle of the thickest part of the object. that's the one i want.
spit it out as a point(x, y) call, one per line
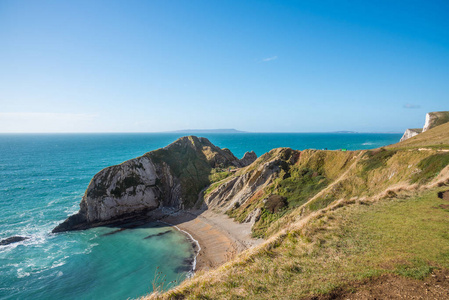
point(437, 137)
point(349, 241)
point(371, 220)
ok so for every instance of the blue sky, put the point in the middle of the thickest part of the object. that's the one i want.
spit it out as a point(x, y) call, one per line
point(263, 66)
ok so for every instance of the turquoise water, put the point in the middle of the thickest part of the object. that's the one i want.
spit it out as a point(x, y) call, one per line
point(42, 179)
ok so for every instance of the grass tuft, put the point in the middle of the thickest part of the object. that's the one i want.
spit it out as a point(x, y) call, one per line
point(430, 167)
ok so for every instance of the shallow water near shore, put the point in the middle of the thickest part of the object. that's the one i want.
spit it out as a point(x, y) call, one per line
point(42, 180)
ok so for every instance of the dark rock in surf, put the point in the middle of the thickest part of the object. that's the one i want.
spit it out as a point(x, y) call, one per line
point(13, 239)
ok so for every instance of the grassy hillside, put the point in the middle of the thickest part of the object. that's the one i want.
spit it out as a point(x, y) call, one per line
point(437, 138)
point(335, 249)
point(316, 178)
point(196, 162)
point(338, 221)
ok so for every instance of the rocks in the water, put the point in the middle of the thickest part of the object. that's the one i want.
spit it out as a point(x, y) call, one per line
point(169, 177)
point(13, 239)
point(157, 234)
point(74, 222)
point(186, 266)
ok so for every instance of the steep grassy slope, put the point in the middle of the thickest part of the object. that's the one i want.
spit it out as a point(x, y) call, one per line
point(437, 138)
point(195, 162)
point(352, 241)
point(313, 179)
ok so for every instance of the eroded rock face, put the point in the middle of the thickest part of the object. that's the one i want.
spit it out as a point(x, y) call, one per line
point(248, 158)
point(239, 189)
point(410, 133)
point(436, 118)
point(121, 190)
point(169, 177)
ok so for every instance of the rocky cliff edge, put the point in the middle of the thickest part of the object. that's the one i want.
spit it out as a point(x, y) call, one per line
point(168, 177)
point(433, 119)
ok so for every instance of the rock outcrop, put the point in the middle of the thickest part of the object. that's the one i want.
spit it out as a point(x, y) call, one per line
point(410, 133)
point(239, 189)
point(12, 239)
point(433, 119)
point(248, 158)
point(168, 177)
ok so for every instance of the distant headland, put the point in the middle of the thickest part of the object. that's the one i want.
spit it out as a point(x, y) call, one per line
point(231, 130)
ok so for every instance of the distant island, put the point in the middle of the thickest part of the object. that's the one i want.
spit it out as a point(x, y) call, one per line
point(344, 131)
point(209, 131)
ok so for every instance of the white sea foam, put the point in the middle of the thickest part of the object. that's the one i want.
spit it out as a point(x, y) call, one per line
point(10, 247)
point(21, 273)
point(58, 264)
point(89, 249)
point(191, 273)
point(72, 209)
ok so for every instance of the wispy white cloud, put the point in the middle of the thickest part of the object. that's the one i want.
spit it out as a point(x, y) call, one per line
point(411, 106)
point(270, 58)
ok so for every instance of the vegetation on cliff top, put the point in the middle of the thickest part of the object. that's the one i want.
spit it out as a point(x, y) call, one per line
point(438, 118)
point(359, 209)
point(436, 138)
point(322, 177)
point(196, 162)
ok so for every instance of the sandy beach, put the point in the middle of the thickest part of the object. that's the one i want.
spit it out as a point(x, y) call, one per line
point(220, 238)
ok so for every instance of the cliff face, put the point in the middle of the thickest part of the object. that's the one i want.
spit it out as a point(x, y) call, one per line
point(169, 177)
point(410, 133)
point(237, 190)
point(248, 158)
point(433, 119)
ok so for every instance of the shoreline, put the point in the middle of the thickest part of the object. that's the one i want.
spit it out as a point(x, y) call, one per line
point(218, 237)
point(197, 250)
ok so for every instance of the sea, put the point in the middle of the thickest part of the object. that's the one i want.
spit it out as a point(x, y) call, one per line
point(42, 180)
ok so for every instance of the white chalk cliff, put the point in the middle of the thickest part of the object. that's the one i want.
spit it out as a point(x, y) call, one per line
point(433, 119)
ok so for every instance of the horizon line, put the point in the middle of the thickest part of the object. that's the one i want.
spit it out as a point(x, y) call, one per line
point(177, 132)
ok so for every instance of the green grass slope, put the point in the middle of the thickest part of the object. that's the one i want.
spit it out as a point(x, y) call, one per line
point(437, 138)
point(352, 242)
point(317, 178)
point(196, 162)
point(351, 217)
